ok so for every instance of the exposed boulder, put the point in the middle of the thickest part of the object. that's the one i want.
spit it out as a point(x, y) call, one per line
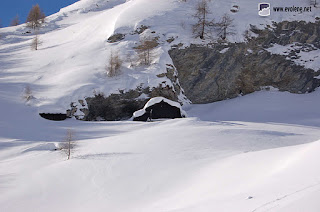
point(141, 29)
point(116, 38)
point(78, 110)
point(209, 74)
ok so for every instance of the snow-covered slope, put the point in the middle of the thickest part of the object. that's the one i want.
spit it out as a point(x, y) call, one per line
point(259, 152)
point(70, 63)
point(176, 165)
point(264, 106)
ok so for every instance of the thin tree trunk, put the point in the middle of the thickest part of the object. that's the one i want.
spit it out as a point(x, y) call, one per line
point(203, 23)
point(69, 150)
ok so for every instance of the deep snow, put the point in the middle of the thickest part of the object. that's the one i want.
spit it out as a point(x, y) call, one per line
point(176, 165)
point(257, 152)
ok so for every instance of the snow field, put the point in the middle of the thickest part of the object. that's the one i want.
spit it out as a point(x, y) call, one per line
point(253, 153)
point(175, 165)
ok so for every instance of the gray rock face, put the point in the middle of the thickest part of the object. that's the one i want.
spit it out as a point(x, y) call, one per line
point(112, 108)
point(208, 74)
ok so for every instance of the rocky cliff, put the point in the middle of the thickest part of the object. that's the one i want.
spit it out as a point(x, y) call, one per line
point(226, 70)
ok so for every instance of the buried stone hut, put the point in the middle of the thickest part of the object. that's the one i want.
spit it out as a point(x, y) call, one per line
point(159, 108)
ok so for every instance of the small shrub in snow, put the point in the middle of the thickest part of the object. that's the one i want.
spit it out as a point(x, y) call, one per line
point(114, 65)
point(131, 59)
point(27, 93)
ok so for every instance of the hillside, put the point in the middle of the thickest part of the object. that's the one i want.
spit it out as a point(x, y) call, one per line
point(70, 64)
point(258, 151)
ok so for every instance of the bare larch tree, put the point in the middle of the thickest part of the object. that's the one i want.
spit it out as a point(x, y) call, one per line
point(225, 26)
point(35, 17)
point(68, 144)
point(203, 25)
point(145, 50)
point(15, 21)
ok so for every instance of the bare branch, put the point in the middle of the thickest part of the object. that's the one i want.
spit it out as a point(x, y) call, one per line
point(15, 21)
point(145, 50)
point(114, 65)
point(225, 26)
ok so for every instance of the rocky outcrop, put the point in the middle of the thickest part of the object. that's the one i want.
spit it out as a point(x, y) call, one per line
point(114, 107)
point(172, 75)
point(222, 71)
point(116, 38)
point(286, 32)
point(122, 106)
point(78, 110)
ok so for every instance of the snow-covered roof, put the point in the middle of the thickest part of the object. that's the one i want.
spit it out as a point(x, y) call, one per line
point(157, 100)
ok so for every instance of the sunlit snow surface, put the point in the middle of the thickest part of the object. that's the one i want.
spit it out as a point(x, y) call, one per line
point(263, 145)
point(259, 152)
point(71, 62)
